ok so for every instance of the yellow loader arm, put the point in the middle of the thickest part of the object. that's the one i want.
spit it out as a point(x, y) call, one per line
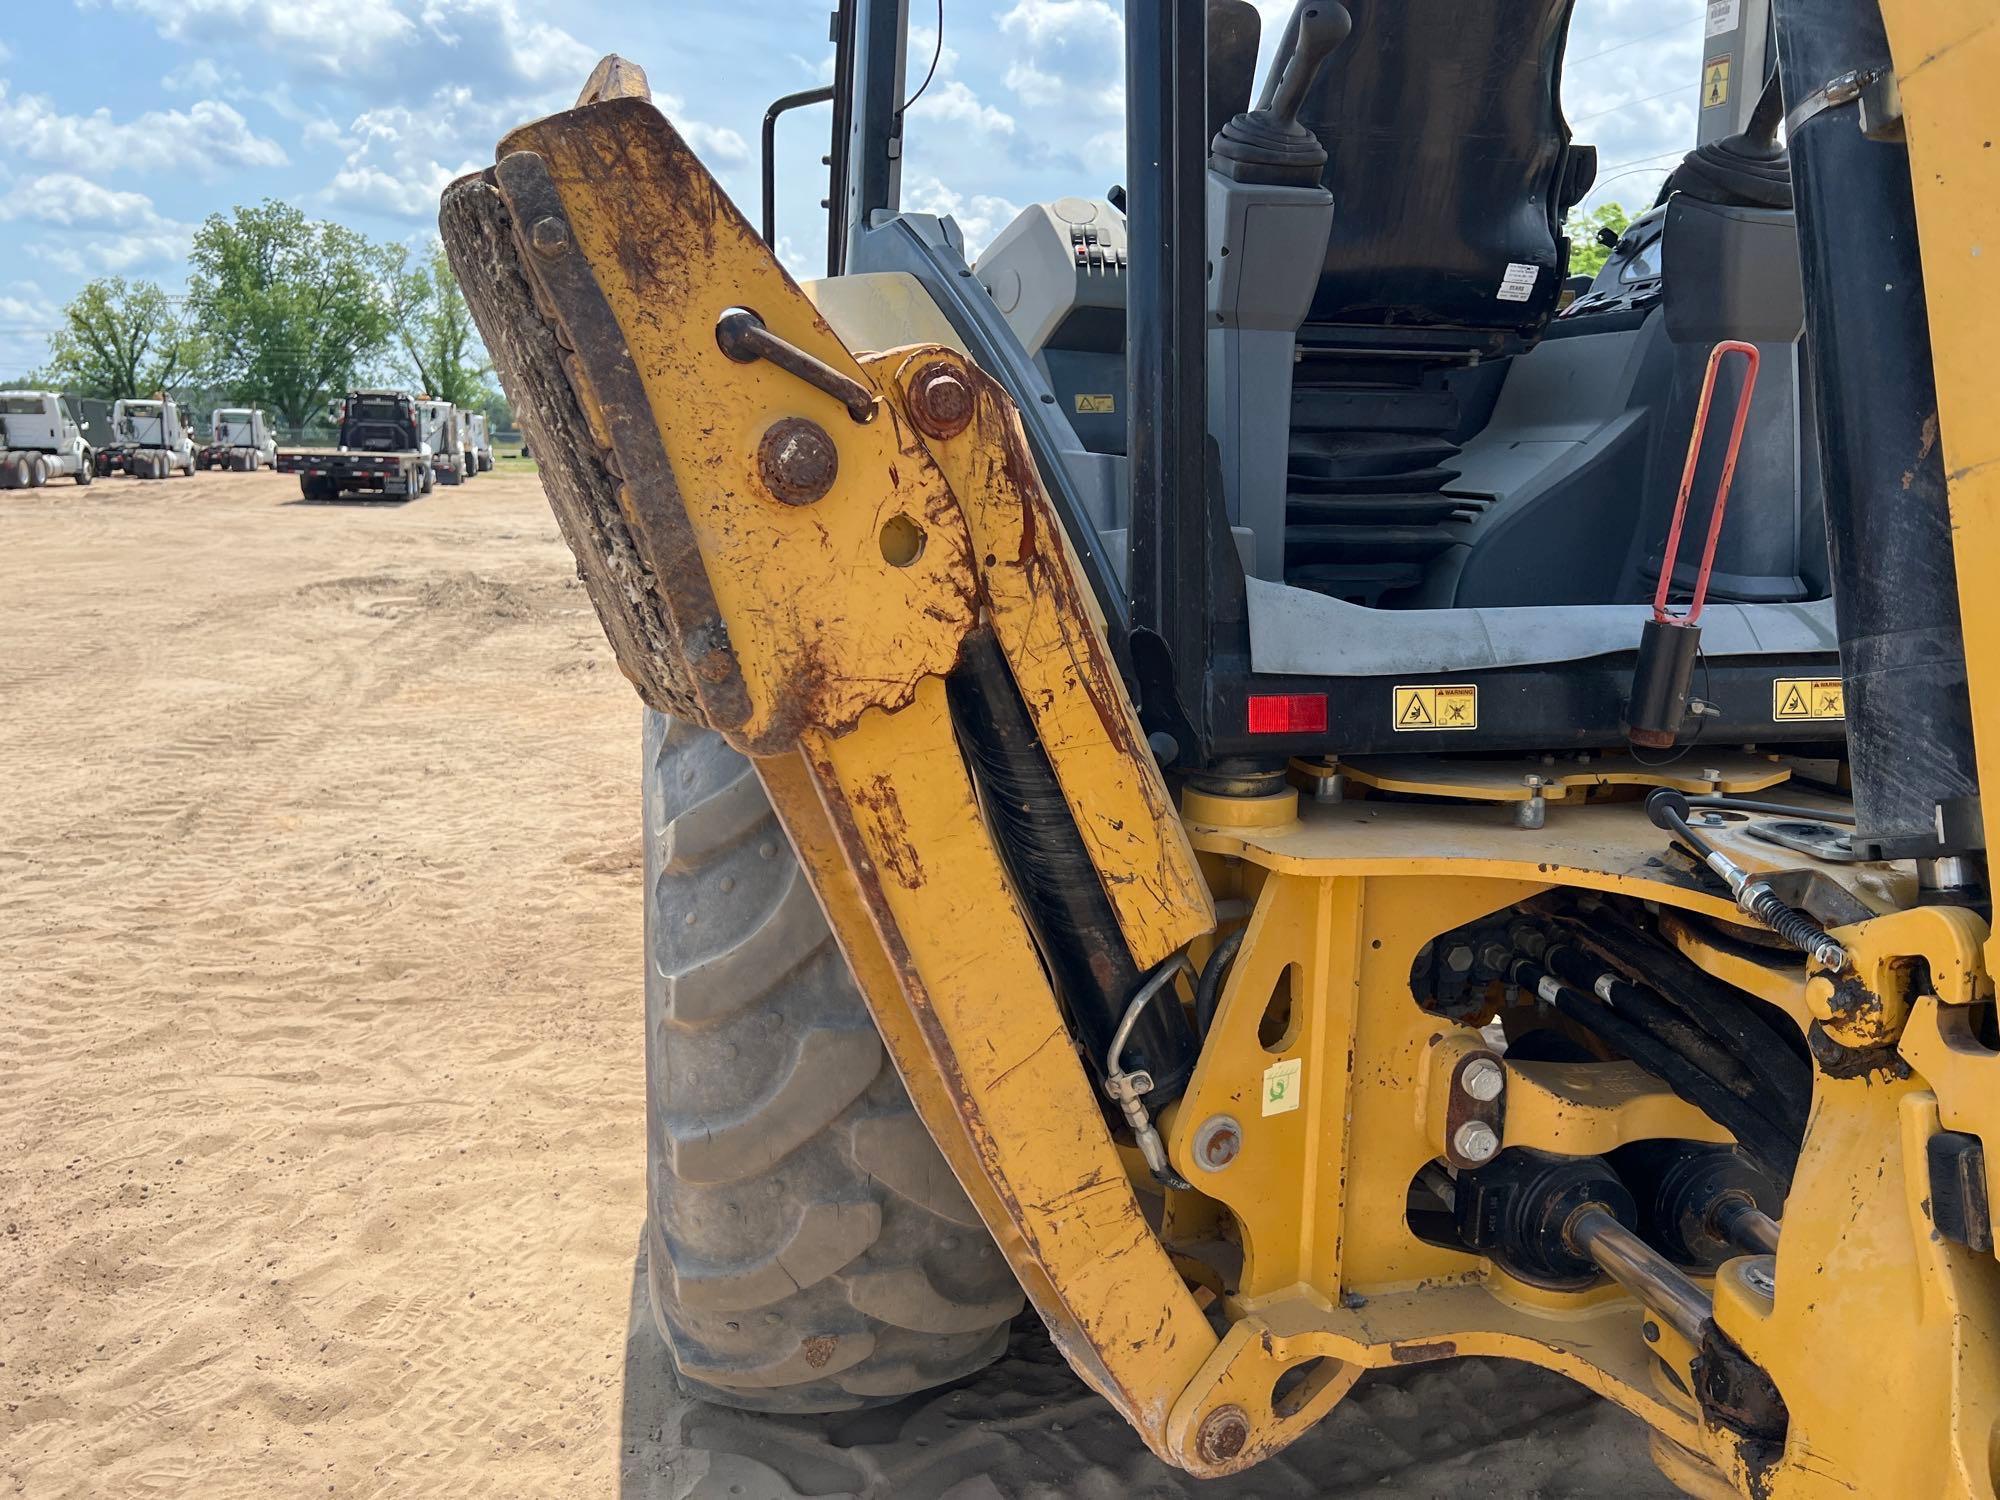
point(797, 545)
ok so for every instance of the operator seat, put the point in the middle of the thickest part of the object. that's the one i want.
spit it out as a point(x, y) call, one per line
point(1451, 169)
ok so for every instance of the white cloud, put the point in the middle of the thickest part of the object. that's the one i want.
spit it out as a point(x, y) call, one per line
point(489, 42)
point(72, 202)
point(1071, 57)
point(116, 254)
point(979, 215)
point(201, 76)
point(717, 145)
point(954, 103)
point(1045, 23)
point(206, 138)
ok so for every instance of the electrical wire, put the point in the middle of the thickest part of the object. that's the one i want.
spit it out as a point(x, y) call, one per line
point(936, 52)
point(1633, 41)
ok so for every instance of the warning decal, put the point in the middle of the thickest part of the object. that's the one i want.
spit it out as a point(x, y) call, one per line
point(1094, 405)
point(1715, 81)
point(1808, 698)
point(1281, 1086)
point(1455, 706)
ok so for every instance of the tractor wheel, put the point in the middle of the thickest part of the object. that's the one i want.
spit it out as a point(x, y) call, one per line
point(86, 468)
point(38, 471)
point(808, 1249)
point(15, 475)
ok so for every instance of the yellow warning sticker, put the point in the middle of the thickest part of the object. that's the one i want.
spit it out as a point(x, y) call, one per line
point(1455, 706)
point(1281, 1086)
point(1808, 698)
point(1715, 81)
point(1095, 405)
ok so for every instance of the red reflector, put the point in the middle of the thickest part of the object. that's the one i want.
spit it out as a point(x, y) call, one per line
point(1287, 713)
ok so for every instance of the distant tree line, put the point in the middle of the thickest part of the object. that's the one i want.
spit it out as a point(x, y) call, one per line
point(281, 311)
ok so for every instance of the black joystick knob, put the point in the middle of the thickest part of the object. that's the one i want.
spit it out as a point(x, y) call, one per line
point(1267, 144)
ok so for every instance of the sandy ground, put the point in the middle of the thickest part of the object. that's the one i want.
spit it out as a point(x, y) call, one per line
point(321, 1152)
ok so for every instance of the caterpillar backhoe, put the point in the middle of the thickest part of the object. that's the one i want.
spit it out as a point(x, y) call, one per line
point(1257, 770)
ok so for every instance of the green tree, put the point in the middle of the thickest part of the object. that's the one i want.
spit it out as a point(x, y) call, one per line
point(439, 342)
point(1587, 253)
point(121, 338)
point(293, 306)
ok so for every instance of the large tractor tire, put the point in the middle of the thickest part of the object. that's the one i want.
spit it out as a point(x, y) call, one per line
point(808, 1249)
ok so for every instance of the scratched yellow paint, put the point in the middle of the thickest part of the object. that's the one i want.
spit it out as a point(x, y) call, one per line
point(671, 255)
point(1064, 670)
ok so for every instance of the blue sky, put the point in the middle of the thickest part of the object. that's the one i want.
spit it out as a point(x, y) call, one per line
point(123, 123)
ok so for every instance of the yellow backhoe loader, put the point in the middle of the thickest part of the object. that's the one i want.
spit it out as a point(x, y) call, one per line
point(1262, 771)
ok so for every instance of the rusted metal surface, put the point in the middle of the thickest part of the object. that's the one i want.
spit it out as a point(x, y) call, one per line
point(614, 77)
point(940, 404)
point(838, 607)
point(616, 399)
point(742, 336)
point(582, 487)
point(1223, 1433)
point(797, 460)
point(1055, 647)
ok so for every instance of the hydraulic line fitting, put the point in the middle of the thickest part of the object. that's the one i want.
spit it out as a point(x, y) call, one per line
point(1754, 897)
point(1130, 1089)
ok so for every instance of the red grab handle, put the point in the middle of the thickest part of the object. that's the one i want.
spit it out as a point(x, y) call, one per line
point(1749, 353)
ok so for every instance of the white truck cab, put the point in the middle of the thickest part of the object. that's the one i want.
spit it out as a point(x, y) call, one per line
point(40, 440)
point(239, 439)
point(153, 437)
point(445, 433)
point(480, 441)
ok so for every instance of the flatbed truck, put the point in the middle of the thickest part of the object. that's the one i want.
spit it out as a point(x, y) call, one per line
point(381, 451)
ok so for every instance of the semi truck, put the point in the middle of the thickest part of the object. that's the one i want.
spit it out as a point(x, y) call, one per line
point(239, 439)
point(40, 440)
point(151, 440)
point(444, 428)
point(382, 450)
point(479, 442)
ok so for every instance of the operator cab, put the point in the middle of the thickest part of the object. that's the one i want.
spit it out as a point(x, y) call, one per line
point(1449, 441)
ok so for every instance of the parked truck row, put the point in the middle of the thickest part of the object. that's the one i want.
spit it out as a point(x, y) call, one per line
point(390, 443)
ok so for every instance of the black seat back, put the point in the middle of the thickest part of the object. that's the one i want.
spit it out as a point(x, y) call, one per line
point(1451, 169)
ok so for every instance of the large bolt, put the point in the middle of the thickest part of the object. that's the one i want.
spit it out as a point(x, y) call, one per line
point(940, 401)
point(1483, 1078)
point(1216, 1142)
point(797, 460)
point(1458, 958)
point(549, 237)
point(1222, 1434)
point(1475, 1141)
point(1758, 1277)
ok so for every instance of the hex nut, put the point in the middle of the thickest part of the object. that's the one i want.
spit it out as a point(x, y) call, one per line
point(1222, 1434)
point(1458, 958)
point(548, 236)
point(1475, 1140)
point(1483, 1078)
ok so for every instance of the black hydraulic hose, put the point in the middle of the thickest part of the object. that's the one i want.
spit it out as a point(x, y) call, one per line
point(1208, 988)
point(1773, 809)
point(1769, 1147)
point(1667, 1026)
point(1716, 1008)
point(1057, 885)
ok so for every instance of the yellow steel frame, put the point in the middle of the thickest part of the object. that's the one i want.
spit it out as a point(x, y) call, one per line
point(833, 678)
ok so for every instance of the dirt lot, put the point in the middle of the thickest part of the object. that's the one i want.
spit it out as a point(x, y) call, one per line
point(321, 1160)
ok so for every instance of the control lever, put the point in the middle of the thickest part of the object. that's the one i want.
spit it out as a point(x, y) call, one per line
point(1267, 145)
point(1316, 29)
